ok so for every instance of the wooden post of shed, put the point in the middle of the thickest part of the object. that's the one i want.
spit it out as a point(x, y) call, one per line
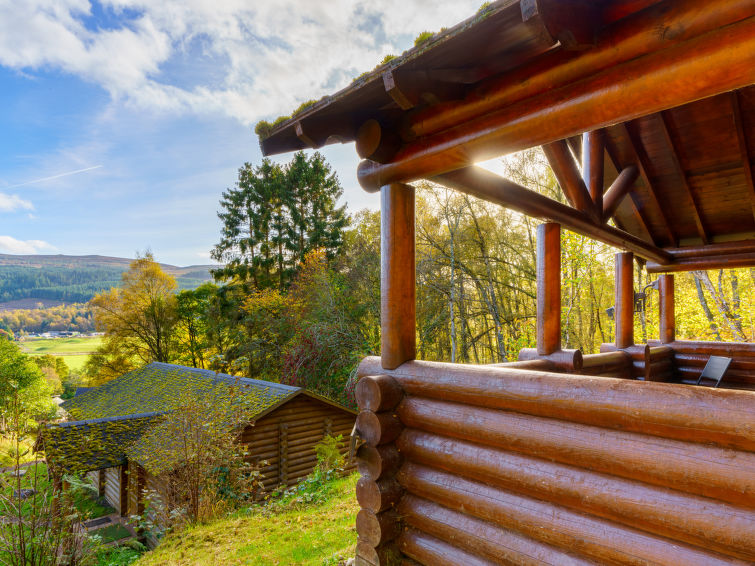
point(667, 325)
point(624, 309)
point(124, 489)
point(397, 292)
point(548, 288)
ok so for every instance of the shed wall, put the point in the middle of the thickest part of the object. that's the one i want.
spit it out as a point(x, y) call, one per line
point(285, 438)
point(113, 487)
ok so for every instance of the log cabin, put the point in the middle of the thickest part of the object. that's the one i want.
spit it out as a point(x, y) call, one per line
point(645, 110)
point(115, 436)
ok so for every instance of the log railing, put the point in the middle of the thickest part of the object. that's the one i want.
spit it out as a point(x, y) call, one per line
point(502, 465)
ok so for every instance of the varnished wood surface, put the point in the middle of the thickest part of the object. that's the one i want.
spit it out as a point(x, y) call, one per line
point(548, 288)
point(624, 299)
point(397, 281)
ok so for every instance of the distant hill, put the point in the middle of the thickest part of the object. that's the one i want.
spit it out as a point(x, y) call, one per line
point(76, 279)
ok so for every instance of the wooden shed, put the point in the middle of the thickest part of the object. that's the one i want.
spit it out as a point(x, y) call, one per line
point(112, 436)
point(645, 110)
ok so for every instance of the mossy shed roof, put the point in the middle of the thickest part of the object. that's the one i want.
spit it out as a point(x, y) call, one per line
point(110, 419)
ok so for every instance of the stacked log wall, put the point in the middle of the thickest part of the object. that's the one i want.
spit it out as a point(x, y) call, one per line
point(691, 356)
point(113, 487)
point(513, 466)
point(283, 441)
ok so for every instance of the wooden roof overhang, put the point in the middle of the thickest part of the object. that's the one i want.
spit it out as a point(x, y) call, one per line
point(660, 93)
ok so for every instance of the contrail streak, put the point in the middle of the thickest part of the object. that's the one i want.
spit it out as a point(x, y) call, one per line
point(53, 177)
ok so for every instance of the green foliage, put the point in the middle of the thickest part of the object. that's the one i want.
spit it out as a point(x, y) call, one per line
point(423, 37)
point(123, 555)
point(303, 106)
point(263, 129)
point(274, 216)
point(21, 376)
point(387, 59)
point(328, 452)
point(112, 533)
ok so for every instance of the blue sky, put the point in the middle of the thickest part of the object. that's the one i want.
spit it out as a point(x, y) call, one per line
point(122, 121)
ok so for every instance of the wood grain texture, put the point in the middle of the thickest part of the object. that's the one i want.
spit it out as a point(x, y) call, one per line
point(397, 280)
point(548, 288)
point(667, 323)
point(624, 302)
point(725, 418)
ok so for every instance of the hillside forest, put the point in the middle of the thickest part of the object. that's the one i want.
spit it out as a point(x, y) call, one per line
point(297, 300)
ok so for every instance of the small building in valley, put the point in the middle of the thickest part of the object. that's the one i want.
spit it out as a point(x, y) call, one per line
point(113, 431)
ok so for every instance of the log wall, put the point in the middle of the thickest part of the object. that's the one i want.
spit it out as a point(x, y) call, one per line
point(113, 487)
point(284, 440)
point(495, 465)
point(691, 356)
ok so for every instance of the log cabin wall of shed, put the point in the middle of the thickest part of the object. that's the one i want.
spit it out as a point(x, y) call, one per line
point(503, 465)
point(113, 487)
point(307, 421)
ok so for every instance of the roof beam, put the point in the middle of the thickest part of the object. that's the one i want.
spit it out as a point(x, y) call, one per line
point(402, 98)
point(674, 154)
point(565, 169)
point(643, 162)
point(743, 149)
point(491, 187)
point(618, 190)
point(715, 62)
point(725, 261)
point(634, 201)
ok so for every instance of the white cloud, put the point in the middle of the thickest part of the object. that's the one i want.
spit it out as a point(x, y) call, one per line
point(244, 58)
point(10, 203)
point(11, 245)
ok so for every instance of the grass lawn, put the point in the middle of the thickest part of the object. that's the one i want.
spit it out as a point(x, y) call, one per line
point(62, 346)
point(112, 533)
point(320, 534)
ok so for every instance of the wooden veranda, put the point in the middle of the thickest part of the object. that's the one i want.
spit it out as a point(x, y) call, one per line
point(559, 458)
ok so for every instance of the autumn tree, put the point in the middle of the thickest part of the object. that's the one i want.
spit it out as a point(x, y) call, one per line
point(139, 318)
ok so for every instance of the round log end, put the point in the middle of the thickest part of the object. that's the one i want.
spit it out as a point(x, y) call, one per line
point(368, 176)
point(378, 428)
point(368, 138)
point(374, 529)
point(374, 462)
point(378, 393)
point(377, 496)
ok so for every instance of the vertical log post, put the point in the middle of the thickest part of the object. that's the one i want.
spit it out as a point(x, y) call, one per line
point(397, 292)
point(548, 288)
point(100, 483)
point(624, 306)
point(124, 490)
point(378, 460)
point(592, 166)
point(668, 320)
point(283, 454)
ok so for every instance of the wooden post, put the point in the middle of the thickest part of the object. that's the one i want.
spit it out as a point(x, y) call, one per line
point(667, 325)
point(283, 453)
point(100, 483)
point(548, 288)
point(592, 166)
point(397, 292)
point(124, 490)
point(624, 307)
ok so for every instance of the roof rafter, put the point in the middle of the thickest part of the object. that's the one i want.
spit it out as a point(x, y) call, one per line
point(634, 202)
point(642, 161)
point(743, 149)
point(674, 154)
point(569, 178)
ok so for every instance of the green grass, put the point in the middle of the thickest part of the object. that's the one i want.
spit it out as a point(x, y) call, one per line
point(76, 363)
point(8, 451)
point(288, 532)
point(122, 555)
point(112, 533)
point(62, 346)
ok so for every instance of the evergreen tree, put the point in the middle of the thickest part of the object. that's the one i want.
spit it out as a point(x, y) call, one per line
point(274, 216)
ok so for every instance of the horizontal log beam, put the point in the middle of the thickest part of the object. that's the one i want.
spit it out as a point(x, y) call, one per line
point(726, 418)
point(693, 468)
point(429, 550)
point(378, 393)
point(377, 496)
point(712, 250)
point(627, 39)
point(598, 539)
point(710, 64)
point(375, 462)
point(665, 512)
point(474, 535)
point(494, 188)
point(723, 261)
point(566, 360)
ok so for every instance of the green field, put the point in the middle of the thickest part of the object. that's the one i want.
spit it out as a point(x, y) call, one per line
point(75, 351)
